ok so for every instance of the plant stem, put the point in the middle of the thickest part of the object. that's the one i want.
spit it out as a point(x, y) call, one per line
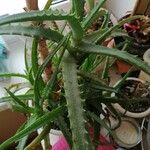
point(78, 8)
point(105, 70)
point(90, 4)
point(38, 139)
point(47, 142)
point(48, 4)
point(117, 87)
point(43, 50)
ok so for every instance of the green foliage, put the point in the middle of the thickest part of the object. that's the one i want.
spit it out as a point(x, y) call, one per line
point(62, 101)
point(78, 8)
point(91, 17)
point(39, 122)
point(74, 104)
point(47, 15)
point(96, 49)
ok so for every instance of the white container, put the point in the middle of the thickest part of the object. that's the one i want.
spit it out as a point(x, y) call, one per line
point(128, 134)
point(54, 136)
point(128, 113)
point(119, 8)
point(144, 76)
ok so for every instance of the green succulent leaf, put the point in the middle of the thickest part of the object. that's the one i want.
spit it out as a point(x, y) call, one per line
point(22, 97)
point(78, 7)
point(19, 102)
point(49, 87)
point(34, 56)
point(14, 75)
point(31, 32)
point(48, 4)
point(75, 104)
point(91, 16)
point(46, 15)
point(131, 59)
point(106, 20)
point(23, 140)
point(102, 37)
point(90, 4)
point(26, 57)
point(100, 121)
point(42, 67)
point(92, 37)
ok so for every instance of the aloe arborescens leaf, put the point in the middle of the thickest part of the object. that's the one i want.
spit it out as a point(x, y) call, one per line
point(131, 59)
point(75, 104)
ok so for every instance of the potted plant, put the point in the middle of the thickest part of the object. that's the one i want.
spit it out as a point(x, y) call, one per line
point(134, 88)
point(58, 99)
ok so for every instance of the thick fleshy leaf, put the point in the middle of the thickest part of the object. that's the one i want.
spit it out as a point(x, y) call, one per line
point(47, 15)
point(123, 55)
point(22, 97)
point(91, 17)
point(14, 75)
point(31, 32)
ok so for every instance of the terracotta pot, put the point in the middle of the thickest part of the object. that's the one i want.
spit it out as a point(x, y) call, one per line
point(10, 122)
point(122, 66)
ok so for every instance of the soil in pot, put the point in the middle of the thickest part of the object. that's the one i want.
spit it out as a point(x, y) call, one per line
point(136, 89)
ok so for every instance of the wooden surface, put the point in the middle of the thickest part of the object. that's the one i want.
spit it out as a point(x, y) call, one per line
point(142, 7)
point(32, 4)
point(9, 123)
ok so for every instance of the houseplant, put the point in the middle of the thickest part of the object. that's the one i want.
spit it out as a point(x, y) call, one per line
point(135, 87)
point(58, 100)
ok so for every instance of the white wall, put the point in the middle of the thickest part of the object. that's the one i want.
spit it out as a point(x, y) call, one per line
point(16, 45)
point(15, 61)
point(120, 7)
point(16, 6)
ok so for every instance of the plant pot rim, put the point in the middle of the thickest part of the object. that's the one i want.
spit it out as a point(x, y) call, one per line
point(56, 132)
point(128, 113)
point(4, 106)
point(131, 122)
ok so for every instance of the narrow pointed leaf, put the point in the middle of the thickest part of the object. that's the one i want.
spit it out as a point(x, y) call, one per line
point(91, 17)
point(22, 97)
point(129, 58)
point(78, 7)
point(14, 75)
point(46, 15)
point(42, 67)
point(26, 57)
point(31, 32)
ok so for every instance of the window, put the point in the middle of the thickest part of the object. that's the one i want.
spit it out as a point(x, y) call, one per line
point(16, 6)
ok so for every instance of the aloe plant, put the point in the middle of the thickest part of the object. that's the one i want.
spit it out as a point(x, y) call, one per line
point(64, 99)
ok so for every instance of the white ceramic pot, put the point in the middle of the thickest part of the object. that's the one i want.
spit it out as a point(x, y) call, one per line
point(128, 113)
point(120, 7)
point(4, 106)
point(128, 134)
point(54, 136)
